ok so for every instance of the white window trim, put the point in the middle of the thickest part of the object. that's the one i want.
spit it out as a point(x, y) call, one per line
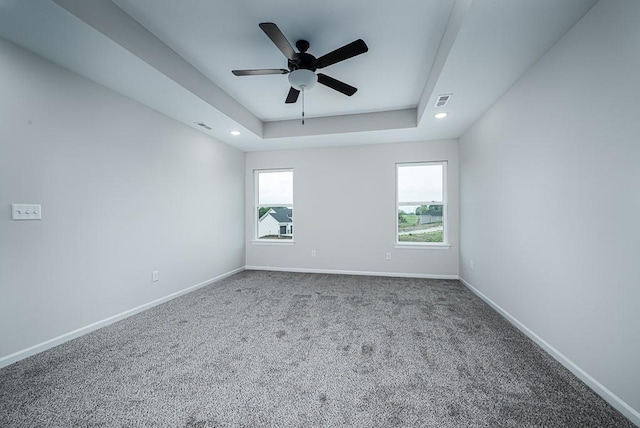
point(444, 245)
point(272, 242)
point(256, 208)
point(423, 246)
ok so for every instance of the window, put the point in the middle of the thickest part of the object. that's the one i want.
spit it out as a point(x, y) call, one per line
point(274, 204)
point(421, 203)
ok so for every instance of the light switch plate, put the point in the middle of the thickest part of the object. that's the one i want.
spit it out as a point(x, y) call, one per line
point(26, 212)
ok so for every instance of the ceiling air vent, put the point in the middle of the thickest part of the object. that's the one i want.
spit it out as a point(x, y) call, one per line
point(204, 125)
point(442, 100)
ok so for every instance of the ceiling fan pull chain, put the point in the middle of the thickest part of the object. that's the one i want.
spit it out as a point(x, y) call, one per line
point(303, 106)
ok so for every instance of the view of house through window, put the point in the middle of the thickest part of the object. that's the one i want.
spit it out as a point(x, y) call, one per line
point(274, 204)
point(421, 202)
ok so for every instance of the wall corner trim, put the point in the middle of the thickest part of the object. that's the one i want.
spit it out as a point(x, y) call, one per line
point(48, 344)
point(611, 398)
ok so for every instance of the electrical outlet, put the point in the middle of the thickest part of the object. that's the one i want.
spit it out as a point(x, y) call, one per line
point(313, 253)
point(155, 276)
point(388, 256)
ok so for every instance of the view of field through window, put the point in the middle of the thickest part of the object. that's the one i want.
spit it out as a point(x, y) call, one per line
point(421, 206)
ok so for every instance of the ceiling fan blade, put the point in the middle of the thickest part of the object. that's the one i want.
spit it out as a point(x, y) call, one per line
point(347, 51)
point(336, 84)
point(260, 72)
point(273, 32)
point(292, 97)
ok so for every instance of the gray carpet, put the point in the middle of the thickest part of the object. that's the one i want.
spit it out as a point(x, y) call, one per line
point(292, 350)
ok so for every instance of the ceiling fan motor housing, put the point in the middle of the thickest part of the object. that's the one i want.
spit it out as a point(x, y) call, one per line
point(302, 59)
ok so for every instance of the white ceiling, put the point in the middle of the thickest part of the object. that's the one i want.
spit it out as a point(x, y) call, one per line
point(177, 57)
point(215, 40)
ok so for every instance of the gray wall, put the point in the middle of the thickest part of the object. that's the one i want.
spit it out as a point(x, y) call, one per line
point(550, 196)
point(124, 191)
point(344, 209)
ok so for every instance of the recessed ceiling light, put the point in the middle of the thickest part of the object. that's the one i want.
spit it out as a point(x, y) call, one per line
point(235, 133)
point(440, 115)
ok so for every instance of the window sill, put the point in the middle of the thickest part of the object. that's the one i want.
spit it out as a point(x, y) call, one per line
point(271, 242)
point(420, 246)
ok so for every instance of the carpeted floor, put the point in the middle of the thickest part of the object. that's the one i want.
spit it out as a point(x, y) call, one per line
point(304, 350)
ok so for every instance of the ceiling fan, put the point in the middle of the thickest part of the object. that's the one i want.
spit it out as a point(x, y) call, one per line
point(302, 66)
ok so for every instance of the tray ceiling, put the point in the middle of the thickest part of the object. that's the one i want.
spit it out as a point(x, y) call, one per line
point(177, 57)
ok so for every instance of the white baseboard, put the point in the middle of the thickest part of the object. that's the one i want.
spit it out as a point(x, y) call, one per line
point(353, 272)
point(17, 356)
point(591, 382)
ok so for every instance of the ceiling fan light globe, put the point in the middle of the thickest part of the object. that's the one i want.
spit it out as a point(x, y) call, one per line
point(303, 79)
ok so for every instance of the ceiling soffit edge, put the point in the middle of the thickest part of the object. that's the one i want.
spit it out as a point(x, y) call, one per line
point(110, 20)
point(361, 122)
point(456, 19)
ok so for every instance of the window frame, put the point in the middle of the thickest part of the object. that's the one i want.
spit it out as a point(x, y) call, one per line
point(445, 208)
point(257, 206)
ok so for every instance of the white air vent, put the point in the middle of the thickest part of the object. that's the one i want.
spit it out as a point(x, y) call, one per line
point(204, 125)
point(442, 100)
